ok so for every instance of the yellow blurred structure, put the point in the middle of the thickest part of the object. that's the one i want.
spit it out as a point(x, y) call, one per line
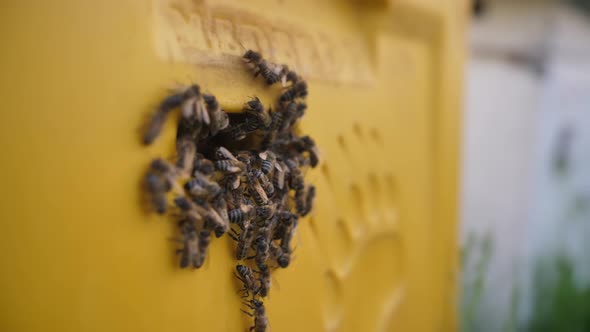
point(78, 78)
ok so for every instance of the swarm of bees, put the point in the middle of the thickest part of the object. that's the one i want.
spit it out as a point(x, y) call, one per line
point(237, 174)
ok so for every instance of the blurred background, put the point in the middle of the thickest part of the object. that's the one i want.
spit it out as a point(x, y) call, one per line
point(526, 168)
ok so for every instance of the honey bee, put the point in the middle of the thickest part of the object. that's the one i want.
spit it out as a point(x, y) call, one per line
point(246, 276)
point(201, 187)
point(203, 212)
point(229, 166)
point(286, 220)
point(278, 179)
point(262, 249)
point(287, 75)
point(252, 57)
point(215, 222)
point(295, 176)
point(268, 161)
point(259, 314)
point(203, 165)
point(167, 173)
point(190, 250)
point(268, 71)
point(222, 153)
point(297, 90)
point(265, 281)
point(308, 201)
point(256, 110)
point(265, 211)
point(256, 190)
point(186, 155)
point(264, 182)
point(193, 105)
point(157, 188)
point(245, 241)
point(220, 205)
point(240, 215)
point(204, 241)
point(156, 123)
point(218, 118)
point(282, 257)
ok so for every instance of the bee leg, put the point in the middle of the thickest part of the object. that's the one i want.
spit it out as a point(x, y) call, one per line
point(247, 313)
point(233, 237)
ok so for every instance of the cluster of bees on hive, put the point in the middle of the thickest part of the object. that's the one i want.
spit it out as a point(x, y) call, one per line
point(237, 174)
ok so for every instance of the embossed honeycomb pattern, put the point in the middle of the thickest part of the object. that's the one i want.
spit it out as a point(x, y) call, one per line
point(358, 232)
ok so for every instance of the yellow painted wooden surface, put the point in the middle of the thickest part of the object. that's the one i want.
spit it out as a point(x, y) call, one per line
point(78, 78)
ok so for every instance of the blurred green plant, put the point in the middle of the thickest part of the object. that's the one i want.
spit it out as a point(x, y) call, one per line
point(475, 259)
point(559, 303)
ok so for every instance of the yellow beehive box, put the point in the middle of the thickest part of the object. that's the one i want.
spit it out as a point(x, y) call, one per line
point(79, 77)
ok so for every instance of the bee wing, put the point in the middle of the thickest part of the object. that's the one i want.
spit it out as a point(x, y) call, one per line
point(263, 155)
point(226, 154)
point(188, 107)
point(256, 185)
point(279, 167)
point(202, 113)
point(236, 183)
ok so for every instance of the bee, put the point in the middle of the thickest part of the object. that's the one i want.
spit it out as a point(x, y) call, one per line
point(157, 188)
point(294, 111)
point(295, 176)
point(265, 281)
point(285, 240)
point(201, 187)
point(303, 208)
point(278, 179)
point(222, 153)
point(215, 221)
point(203, 212)
point(156, 123)
point(286, 220)
point(193, 105)
point(240, 215)
point(287, 75)
point(255, 109)
point(297, 90)
point(247, 158)
point(252, 57)
point(288, 112)
point(306, 144)
point(220, 205)
point(259, 314)
point(186, 155)
point(265, 211)
point(204, 241)
point(190, 250)
point(203, 165)
point(268, 71)
point(246, 276)
point(264, 182)
point(190, 210)
point(256, 190)
point(262, 250)
point(283, 257)
point(219, 120)
point(229, 166)
point(268, 161)
point(244, 241)
point(232, 182)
